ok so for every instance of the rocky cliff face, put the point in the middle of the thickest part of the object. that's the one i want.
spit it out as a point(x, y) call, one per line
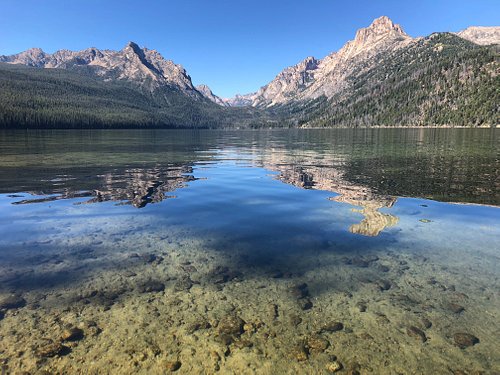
point(207, 93)
point(481, 35)
point(139, 65)
point(312, 78)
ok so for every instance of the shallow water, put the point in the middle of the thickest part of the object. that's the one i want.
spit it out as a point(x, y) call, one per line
point(236, 252)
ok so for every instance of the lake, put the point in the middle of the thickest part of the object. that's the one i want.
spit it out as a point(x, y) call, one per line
point(274, 252)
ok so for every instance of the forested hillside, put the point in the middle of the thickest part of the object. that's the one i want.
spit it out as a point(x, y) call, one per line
point(49, 98)
point(440, 80)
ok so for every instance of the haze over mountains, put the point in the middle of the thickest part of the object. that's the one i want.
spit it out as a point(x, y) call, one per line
point(342, 89)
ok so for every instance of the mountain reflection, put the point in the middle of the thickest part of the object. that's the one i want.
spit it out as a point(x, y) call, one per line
point(368, 168)
point(330, 177)
point(137, 186)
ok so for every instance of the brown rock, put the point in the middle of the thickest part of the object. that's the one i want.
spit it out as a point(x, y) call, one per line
point(455, 307)
point(72, 334)
point(183, 284)
point(333, 366)
point(464, 340)
point(317, 343)
point(300, 352)
point(417, 333)
point(231, 325)
point(305, 304)
point(332, 327)
point(51, 349)
point(173, 366)
point(151, 286)
point(299, 291)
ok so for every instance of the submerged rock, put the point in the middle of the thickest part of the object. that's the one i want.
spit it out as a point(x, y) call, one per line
point(300, 352)
point(151, 286)
point(51, 349)
point(197, 325)
point(361, 306)
point(299, 291)
point(305, 304)
point(383, 285)
point(12, 302)
point(455, 307)
point(464, 340)
point(231, 325)
point(183, 284)
point(333, 366)
point(426, 323)
point(221, 275)
point(173, 366)
point(295, 320)
point(332, 327)
point(417, 333)
point(317, 343)
point(72, 334)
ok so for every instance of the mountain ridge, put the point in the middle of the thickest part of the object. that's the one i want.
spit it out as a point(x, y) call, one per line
point(304, 94)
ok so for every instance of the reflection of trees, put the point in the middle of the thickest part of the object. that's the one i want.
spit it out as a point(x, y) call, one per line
point(135, 186)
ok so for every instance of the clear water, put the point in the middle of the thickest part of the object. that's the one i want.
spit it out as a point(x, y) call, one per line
point(151, 241)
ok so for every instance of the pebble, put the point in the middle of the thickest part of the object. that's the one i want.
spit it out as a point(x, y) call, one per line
point(383, 268)
point(333, 366)
point(317, 343)
point(173, 366)
point(12, 302)
point(417, 333)
point(295, 320)
point(455, 307)
point(151, 286)
point(464, 340)
point(300, 353)
point(183, 284)
point(221, 275)
point(305, 303)
point(383, 284)
point(332, 327)
point(72, 334)
point(51, 349)
point(231, 325)
point(240, 344)
point(361, 306)
point(195, 326)
point(426, 323)
point(299, 291)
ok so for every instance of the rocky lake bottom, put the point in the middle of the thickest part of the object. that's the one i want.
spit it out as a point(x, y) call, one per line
point(173, 303)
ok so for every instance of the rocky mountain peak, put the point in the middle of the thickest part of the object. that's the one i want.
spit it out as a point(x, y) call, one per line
point(380, 27)
point(132, 63)
point(207, 93)
point(482, 35)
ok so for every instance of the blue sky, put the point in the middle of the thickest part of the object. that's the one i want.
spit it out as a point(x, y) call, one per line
point(233, 46)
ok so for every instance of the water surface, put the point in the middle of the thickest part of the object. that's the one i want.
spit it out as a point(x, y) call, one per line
point(232, 251)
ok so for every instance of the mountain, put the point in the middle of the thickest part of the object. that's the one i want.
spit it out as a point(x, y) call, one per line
point(207, 93)
point(239, 100)
point(313, 78)
point(439, 80)
point(383, 77)
point(481, 35)
point(133, 87)
point(132, 63)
